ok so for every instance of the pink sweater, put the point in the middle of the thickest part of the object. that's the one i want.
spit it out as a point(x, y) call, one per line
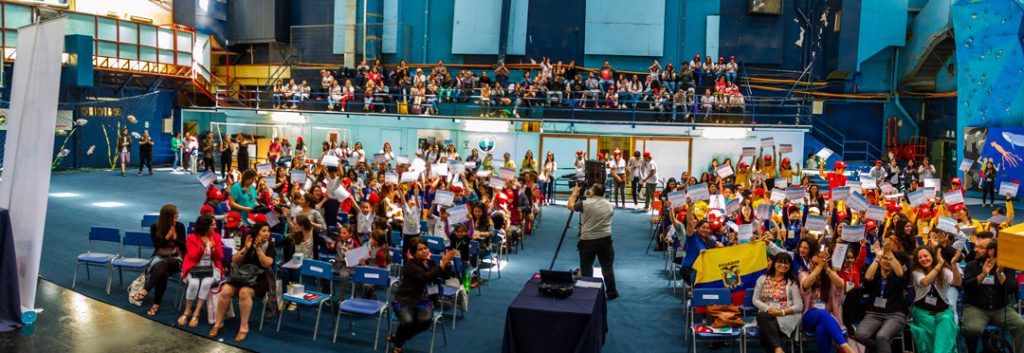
point(835, 300)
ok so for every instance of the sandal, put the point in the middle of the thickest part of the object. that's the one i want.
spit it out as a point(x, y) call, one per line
point(241, 336)
point(194, 322)
point(183, 319)
point(215, 331)
point(153, 310)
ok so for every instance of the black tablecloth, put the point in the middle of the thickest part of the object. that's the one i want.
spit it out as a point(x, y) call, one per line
point(10, 296)
point(537, 323)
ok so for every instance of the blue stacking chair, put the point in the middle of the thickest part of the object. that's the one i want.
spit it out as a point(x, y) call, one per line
point(149, 219)
point(358, 307)
point(318, 270)
point(493, 257)
point(396, 239)
point(134, 264)
point(436, 244)
point(99, 259)
point(703, 297)
point(474, 253)
point(750, 330)
point(437, 322)
point(451, 293)
point(424, 228)
point(397, 260)
point(343, 217)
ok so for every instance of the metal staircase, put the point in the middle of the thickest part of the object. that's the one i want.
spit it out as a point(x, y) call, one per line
point(921, 77)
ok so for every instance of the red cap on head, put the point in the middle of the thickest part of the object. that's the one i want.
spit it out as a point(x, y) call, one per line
point(732, 56)
point(956, 181)
point(697, 56)
point(257, 218)
point(878, 162)
point(579, 152)
point(957, 208)
point(233, 219)
point(892, 206)
point(925, 212)
point(871, 224)
point(839, 165)
point(215, 194)
point(715, 225)
point(647, 154)
point(456, 189)
point(768, 157)
point(759, 192)
point(600, 155)
point(617, 152)
point(206, 209)
point(743, 165)
point(785, 161)
point(298, 139)
point(284, 139)
point(721, 58)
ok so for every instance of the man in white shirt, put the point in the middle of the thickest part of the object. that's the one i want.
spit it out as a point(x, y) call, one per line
point(618, 176)
point(878, 172)
point(633, 166)
point(580, 164)
point(649, 174)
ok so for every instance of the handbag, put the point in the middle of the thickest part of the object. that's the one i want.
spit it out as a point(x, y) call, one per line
point(244, 275)
point(725, 316)
point(136, 287)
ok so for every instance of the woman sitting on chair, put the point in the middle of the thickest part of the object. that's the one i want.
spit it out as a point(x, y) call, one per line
point(201, 267)
point(778, 302)
point(413, 304)
point(823, 297)
point(168, 237)
point(257, 252)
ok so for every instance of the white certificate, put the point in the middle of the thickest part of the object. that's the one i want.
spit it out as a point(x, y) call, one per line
point(947, 225)
point(795, 193)
point(781, 183)
point(298, 176)
point(497, 183)
point(456, 166)
point(352, 257)
point(785, 148)
point(698, 192)
point(778, 195)
point(677, 198)
point(841, 193)
point(853, 234)
point(839, 255)
point(445, 198)
point(733, 205)
point(815, 223)
point(966, 164)
point(748, 152)
point(824, 154)
point(402, 160)
point(458, 214)
point(930, 193)
point(264, 169)
point(857, 202)
point(876, 213)
point(953, 197)
point(409, 177)
point(724, 171)
point(341, 194)
point(1008, 188)
point(917, 198)
point(868, 183)
point(506, 173)
point(207, 178)
point(763, 211)
point(745, 233)
point(391, 178)
point(767, 142)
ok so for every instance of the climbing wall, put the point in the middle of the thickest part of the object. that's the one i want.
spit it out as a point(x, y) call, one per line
point(990, 58)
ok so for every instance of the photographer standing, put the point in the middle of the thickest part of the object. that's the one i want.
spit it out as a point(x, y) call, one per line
point(596, 235)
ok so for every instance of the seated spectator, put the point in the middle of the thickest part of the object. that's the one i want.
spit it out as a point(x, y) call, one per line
point(611, 99)
point(730, 70)
point(778, 302)
point(988, 288)
point(668, 78)
point(822, 293)
point(884, 319)
point(278, 94)
point(708, 66)
point(412, 304)
point(257, 256)
point(720, 68)
point(168, 236)
point(720, 85)
point(347, 93)
point(334, 95)
point(697, 69)
point(934, 323)
point(635, 89)
point(289, 92)
point(707, 101)
point(485, 95)
point(685, 76)
point(607, 74)
point(326, 82)
point(593, 91)
point(201, 267)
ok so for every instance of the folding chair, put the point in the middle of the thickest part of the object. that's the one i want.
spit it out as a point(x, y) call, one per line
point(655, 224)
point(452, 293)
point(474, 254)
point(225, 263)
point(149, 219)
point(98, 259)
point(703, 297)
point(397, 260)
point(396, 239)
point(423, 226)
point(438, 321)
point(494, 256)
point(436, 244)
point(137, 263)
point(318, 270)
point(358, 307)
point(343, 217)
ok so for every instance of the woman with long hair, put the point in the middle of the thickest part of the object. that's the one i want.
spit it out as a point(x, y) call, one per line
point(529, 164)
point(168, 236)
point(257, 253)
point(243, 151)
point(884, 317)
point(934, 324)
point(778, 303)
point(412, 304)
point(822, 292)
point(124, 143)
point(227, 149)
point(548, 177)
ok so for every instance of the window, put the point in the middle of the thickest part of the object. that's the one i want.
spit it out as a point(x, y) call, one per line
point(768, 7)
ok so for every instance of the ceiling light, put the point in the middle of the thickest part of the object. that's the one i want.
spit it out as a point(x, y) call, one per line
point(725, 133)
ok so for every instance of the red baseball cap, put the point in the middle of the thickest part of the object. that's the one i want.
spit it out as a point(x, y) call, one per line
point(579, 152)
point(878, 162)
point(743, 165)
point(768, 157)
point(839, 165)
point(456, 189)
point(956, 181)
point(957, 208)
point(925, 212)
point(233, 219)
point(206, 209)
point(617, 152)
point(600, 156)
point(257, 218)
point(785, 161)
point(215, 194)
point(759, 192)
point(647, 154)
point(870, 224)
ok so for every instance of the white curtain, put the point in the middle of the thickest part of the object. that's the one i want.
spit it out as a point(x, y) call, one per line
point(28, 150)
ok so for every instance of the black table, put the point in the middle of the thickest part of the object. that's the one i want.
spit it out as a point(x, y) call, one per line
point(10, 296)
point(536, 323)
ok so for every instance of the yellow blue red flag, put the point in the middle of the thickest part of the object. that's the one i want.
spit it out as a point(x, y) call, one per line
point(734, 267)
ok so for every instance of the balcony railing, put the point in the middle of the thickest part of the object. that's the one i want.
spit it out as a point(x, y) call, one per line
point(571, 106)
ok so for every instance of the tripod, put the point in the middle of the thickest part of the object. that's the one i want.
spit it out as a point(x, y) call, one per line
point(560, 241)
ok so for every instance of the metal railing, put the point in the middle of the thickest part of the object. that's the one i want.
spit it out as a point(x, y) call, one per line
point(586, 105)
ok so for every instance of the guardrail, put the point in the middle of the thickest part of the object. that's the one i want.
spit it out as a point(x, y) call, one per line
point(586, 105)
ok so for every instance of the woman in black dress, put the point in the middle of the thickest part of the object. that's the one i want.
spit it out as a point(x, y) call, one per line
point(243, 152)
point(413, 305)
point(226, 152)
point(257, 253)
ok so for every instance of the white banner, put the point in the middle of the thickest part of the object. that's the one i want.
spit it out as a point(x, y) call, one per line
point(28, 150)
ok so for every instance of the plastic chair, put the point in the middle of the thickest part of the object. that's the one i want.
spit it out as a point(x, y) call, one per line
point(397, 260)
point(494, 255)
point(149, 219)
point(452, 293)
point(358, 307)
point(99, 259)
point(703, 297)
point(474, 254)
point(436, 244)
point(396, 239)
point(318, 270)
point(343, 217)
point(423, 226)
point(137, 263)
point(438, 321)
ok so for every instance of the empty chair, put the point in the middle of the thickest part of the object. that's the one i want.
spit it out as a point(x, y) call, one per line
point(149, 219)
point(369, 308)
point(318, 270)
point(99, 259)
point(137, 263)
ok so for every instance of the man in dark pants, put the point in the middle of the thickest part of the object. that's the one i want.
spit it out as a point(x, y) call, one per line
point(596, 235)
point(988, 292)
point(209, 145)
point(146, 152)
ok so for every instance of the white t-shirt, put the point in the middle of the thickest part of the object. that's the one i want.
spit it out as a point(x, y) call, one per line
point(619, 166)
point(649, 170)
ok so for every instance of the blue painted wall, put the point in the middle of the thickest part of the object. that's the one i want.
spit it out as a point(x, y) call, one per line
point(556, 34)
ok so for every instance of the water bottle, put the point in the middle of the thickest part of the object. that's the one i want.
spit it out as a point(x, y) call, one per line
point(465, 280)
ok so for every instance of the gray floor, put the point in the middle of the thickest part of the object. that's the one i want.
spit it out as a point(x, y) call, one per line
point(76, 323)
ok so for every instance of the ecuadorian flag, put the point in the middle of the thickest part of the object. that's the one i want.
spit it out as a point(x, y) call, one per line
point(734, 267)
